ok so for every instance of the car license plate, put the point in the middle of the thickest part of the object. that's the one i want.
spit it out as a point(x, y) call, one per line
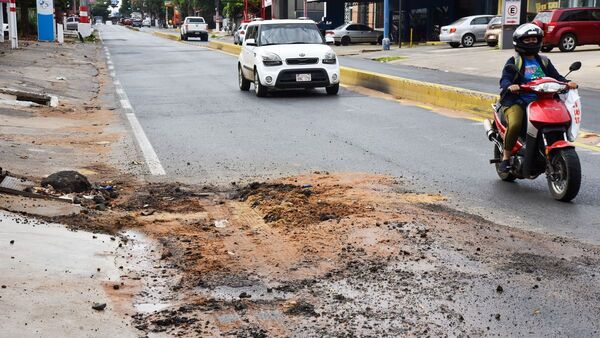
point(303, 77)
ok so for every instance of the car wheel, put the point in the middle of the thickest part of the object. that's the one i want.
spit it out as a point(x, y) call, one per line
point(468, 40)
point(337, 43)
point(185, 37)
point(492, 44)
point(345, 41)
point(547, 49)
point(568, 42)
point(454, 44)
point(243, 82)
point(259, 89)
point(333, 90)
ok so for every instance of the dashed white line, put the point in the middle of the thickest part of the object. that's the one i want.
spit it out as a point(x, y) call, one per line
point(126, 105)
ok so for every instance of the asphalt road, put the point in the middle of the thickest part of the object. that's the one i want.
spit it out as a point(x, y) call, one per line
point(205, 130)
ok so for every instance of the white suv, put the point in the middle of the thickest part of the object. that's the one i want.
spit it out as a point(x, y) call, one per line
point(280, 54)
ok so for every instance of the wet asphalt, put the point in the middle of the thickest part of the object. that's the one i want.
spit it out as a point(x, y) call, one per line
point(206, 131)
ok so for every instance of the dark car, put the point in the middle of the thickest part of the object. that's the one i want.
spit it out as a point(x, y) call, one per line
point(136, 22)
point(567, 28)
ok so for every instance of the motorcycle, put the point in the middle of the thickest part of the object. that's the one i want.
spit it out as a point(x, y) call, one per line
point(545, 147)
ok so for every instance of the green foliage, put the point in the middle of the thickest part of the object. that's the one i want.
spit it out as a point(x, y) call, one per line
point(125, 9)
point(100, 8)
point(235, 9)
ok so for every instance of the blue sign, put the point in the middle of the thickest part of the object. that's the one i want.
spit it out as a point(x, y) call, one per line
point(45, 20)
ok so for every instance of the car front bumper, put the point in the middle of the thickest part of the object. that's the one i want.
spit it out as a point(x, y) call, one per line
point(322, 75)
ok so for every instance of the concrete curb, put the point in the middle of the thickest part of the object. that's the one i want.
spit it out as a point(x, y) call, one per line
point(425, 92)
point(225, 46)
point(401, 88)
point(167, 36)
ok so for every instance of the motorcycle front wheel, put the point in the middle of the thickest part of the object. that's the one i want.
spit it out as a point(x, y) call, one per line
point(508, 177)
point(565, 182)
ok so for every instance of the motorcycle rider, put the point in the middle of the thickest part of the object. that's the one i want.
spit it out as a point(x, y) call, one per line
point(527, 41)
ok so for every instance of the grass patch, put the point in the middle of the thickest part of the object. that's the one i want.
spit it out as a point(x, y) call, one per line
point(389, 58)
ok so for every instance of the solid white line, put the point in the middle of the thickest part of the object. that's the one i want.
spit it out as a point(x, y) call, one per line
point(120, 92)
point(126, 105)
point(117, 83)
point(149, 154)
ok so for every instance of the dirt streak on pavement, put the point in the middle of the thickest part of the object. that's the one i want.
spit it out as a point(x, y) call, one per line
point(349, 255)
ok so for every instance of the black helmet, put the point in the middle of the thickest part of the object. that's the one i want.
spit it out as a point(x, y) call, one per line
point(525, 31)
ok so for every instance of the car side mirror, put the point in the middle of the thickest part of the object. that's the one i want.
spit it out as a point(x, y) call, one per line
point(329, 40)
point(575, 66)
point(250, 42)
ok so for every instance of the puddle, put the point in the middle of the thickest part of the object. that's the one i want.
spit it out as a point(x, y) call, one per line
point(256, 292)
point(150, 308)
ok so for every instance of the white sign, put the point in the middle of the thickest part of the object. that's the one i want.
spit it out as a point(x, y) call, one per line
point(45, 7)
point(268, 3)
point(512, 12)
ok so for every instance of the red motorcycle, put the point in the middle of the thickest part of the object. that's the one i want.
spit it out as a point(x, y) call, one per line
point(545, 146)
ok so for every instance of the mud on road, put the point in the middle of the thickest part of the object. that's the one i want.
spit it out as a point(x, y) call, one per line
point(345, 255)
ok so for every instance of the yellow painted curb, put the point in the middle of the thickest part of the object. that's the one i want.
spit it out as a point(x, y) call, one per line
point(166, 36)
point(424, 92)
point(225, 46)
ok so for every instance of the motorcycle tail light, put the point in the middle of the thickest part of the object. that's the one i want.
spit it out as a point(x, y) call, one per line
point(549, 87)
point(452, 30)
point(329, 33)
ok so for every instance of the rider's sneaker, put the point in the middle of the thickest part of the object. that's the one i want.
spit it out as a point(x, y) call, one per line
point(504, 166)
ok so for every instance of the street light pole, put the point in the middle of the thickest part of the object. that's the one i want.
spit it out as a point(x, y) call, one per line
point(386, 25)
point(305, 9)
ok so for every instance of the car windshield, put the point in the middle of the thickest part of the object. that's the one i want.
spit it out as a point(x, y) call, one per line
point(290, 33)
point(543, 17)
point(459, 21)
point(496, 20)
point(196, 20)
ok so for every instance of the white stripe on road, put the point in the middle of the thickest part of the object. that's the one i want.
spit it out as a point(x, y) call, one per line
point(120, 91)
point(126, 105)
point(149, 153)
point(110, 67)
point(117, 83)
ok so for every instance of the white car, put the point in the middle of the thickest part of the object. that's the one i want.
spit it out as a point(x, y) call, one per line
point(194, 26)
point(146, 22)
point(282, 54)
point(238, 36)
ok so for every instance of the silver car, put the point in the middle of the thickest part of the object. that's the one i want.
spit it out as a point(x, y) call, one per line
point(238, 36)
point(354, 33)
point(466, 31)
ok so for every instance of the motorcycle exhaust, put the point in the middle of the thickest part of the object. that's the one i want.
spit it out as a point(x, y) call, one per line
point(489, 130)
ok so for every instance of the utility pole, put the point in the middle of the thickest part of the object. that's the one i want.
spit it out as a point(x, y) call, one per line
point(523, 11)
point(386, 25)
point(400, 23)
point(1, 21)
point(305, 9)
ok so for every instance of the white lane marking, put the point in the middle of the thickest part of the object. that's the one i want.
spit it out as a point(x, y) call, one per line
point(120, 92)
point(117, 83)
point(126, 105)
point(149, 154)
point(108, 62)
point(110, 67)
point(113, 74)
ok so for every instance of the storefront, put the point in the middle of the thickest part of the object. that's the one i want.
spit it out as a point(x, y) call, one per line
point(542, 5)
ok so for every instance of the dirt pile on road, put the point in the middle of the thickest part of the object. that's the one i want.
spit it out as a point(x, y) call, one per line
point(341, 255)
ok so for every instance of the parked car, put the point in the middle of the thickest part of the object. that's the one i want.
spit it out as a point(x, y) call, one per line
point(567, 28)
point(147, 22)
point(279, 54)
point(492, 34)
point(72, 22)
point(238, 36)
point(354, 33)
point(136, 22)
point(325, 24)
point(194, 26)
point(466, 31)
point(126, 21)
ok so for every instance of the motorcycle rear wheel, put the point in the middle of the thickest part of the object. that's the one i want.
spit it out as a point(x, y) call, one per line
point(566, 165)
point(508, 177)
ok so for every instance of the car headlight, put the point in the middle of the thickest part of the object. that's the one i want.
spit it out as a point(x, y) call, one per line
point(549, 87)
point(329, 58)
point(271, 59)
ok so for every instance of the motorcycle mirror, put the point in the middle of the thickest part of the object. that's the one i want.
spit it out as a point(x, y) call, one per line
point(575, 66)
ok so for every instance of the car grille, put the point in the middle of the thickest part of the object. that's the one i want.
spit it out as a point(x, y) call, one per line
point(289, 76)
point(302, 61)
